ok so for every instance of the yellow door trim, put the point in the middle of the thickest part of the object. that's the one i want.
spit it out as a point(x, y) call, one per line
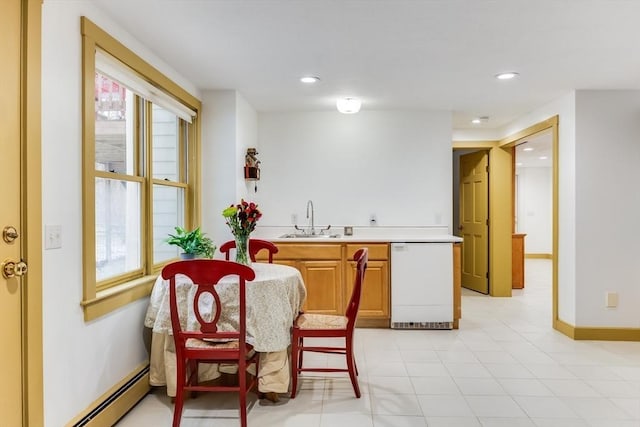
point(31, 106)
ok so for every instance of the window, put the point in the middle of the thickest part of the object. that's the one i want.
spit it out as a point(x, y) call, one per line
point(139, 171)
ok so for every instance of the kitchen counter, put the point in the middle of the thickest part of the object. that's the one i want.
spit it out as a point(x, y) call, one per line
point(361, 234)
point(411, 283)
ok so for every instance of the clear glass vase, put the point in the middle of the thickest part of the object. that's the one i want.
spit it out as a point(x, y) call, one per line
point(242, 249)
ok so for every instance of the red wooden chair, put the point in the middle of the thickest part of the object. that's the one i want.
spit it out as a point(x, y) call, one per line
point(194, 347)
point(309, 325)
point(255, 246)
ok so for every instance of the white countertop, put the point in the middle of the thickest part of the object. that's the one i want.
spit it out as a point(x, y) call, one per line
point(399, 234)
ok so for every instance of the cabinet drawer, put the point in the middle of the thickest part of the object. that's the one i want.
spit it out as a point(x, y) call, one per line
point(378, 251)
point(308, 251)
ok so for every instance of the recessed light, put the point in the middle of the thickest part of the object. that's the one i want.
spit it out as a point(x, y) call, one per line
point(309, 79)
point(543, 157)
point(519, 164)
point(527, 149)
point(475, 121)
point(507, 75)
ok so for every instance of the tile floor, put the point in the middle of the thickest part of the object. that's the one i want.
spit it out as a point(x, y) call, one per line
point(504, 367)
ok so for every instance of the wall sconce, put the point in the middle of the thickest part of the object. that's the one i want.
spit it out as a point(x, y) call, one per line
point(252, 167)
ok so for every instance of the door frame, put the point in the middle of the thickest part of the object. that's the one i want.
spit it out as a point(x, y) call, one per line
point(31, 209)
point(501, 208)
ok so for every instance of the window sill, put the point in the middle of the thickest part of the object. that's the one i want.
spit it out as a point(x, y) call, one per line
point(117, 296)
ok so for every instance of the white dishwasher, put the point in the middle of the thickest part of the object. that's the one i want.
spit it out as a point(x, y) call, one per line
point(421, 285)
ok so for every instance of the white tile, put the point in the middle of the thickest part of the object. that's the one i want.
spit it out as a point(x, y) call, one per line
point(615, 388)
point(508, 370)
point(479, 386)
point(444, 406)
point(457, 356)
point(395, 404)
point(467, 370)
point(591, 408)
point(382, 368)
point(453, 422)
point(524, 387)
point(570, 388)
point(346, 420)
point(420, 356)
point(550, 371)
point(399, 421)
point(545, 407)
point(495, 357)
point(427, 369)
point(590, 372)
point(630, 406)
point(495, 406)
point(435, 385)
point(559, 422)
point(506, 422)
point(390, 385)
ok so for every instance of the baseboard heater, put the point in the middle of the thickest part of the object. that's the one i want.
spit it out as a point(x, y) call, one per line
point(422, 325)
point(106, 403)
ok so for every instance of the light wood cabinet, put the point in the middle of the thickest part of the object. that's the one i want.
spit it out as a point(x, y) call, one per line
point(457, 285)
point(517, 261)
point(324, 289)
point(375, 301)
point(328, 273)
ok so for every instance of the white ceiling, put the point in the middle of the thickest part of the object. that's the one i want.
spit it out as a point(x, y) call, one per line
point(394, 54)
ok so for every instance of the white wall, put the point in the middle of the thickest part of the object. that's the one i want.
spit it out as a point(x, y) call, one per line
point(535, 208)
point(82, 360)
point(393, 164)
point(607, 206)
point(229, 127)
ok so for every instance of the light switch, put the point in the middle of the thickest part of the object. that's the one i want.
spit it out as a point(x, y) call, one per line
point(52, 236)
point(612, 299)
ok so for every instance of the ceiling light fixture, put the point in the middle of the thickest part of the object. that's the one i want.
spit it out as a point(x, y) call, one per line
point(348, 105)
point(507, 75)
point(478, 120)
point(309, 79)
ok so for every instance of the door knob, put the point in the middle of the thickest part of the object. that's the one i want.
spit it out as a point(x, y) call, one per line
point(9, 234)
point(11, 269)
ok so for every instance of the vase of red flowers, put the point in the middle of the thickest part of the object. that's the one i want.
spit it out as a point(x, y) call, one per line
point(242, 219)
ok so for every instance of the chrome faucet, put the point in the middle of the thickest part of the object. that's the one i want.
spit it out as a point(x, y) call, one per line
point(310, 203)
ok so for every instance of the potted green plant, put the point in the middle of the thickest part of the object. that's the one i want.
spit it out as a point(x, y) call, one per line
point(194, 243)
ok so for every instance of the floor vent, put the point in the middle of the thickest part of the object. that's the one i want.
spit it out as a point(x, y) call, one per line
point(422, 325)
point(93, 416)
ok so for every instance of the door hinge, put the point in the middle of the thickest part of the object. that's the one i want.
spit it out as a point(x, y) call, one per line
point(487, 274)
point(487, 222)
point(487, 168)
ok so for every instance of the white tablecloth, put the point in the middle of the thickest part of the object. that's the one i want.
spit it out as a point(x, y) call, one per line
point(273, 299)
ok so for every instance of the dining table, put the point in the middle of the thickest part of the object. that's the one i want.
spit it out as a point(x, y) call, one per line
point(273, 300)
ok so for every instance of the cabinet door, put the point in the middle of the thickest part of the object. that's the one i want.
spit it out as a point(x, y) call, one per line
point(374, 302)
point(323, 282)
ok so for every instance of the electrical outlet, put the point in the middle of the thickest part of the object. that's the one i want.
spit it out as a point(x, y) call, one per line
point(611, 299)
point(372, 219)
point(294, 219)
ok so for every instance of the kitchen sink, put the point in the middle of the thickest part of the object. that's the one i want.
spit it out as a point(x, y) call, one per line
point(309, 236)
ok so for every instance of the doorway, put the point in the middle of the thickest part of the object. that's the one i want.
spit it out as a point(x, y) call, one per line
point(501, 215)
